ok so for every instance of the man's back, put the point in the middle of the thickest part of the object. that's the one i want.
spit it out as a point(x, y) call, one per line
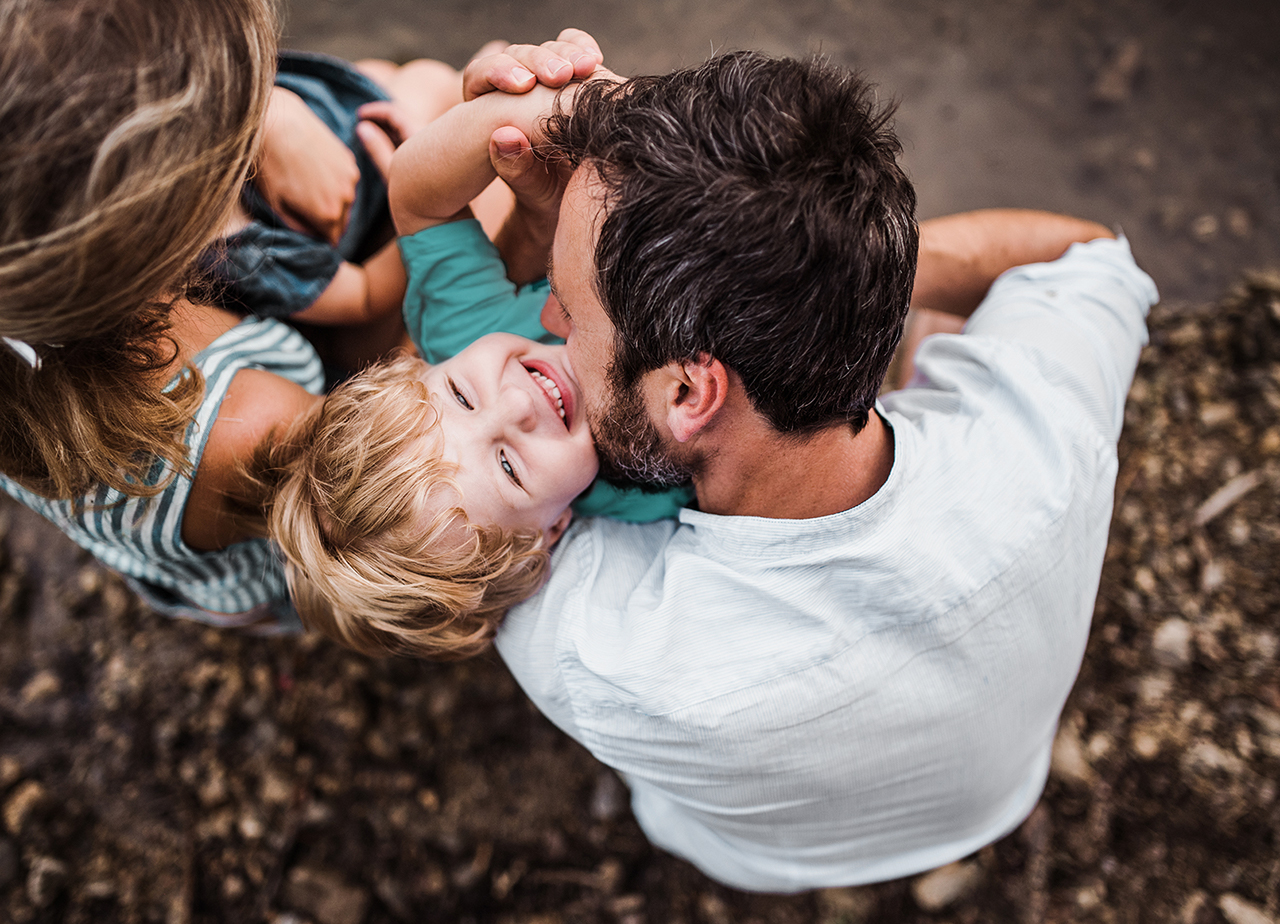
point(799, 703)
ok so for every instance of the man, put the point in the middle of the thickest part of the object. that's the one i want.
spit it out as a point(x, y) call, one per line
point(847, 664)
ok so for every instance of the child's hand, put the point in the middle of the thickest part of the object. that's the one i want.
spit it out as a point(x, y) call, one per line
point(305, 172)
point(573, 55)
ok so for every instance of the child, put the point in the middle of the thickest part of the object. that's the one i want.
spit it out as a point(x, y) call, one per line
point(127, 410)
point(418, 502)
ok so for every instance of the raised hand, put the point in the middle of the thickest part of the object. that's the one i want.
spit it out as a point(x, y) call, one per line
point(573, 55)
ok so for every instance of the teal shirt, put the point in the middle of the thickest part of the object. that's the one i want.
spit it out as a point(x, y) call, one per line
point(458, 291)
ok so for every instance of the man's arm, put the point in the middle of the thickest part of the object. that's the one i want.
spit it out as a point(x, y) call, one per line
point(961, 255)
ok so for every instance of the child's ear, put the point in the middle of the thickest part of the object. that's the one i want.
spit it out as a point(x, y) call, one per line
point(556, 529)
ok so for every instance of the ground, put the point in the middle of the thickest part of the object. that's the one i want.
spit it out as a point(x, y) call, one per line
point(157, 771)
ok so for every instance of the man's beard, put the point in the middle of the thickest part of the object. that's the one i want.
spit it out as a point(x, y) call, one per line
point(632, 453)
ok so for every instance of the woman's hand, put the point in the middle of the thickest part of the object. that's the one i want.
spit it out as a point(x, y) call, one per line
point(304, 171)
point(573, 55)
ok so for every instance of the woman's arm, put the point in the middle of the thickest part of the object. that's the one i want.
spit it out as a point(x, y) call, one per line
point(304, 171)
point(258, 406)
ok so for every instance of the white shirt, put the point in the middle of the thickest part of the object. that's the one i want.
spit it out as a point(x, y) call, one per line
point(858, 697)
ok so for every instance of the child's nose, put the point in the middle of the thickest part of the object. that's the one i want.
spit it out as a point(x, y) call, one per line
point(519, 409)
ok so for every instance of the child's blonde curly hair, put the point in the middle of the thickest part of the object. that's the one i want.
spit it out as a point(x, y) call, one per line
point(380, 554)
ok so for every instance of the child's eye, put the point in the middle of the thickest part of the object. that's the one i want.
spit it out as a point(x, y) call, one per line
point(460, 396)
point(507, 467)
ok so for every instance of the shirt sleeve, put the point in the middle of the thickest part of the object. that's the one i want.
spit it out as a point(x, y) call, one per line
point(458, 291)
point(1084, 315)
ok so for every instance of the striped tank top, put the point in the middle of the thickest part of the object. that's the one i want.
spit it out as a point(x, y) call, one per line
point(142, 537)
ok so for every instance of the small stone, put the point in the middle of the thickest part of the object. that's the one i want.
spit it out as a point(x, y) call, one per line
point(276, 790)
point(429, 800)
point(1069, 761)
point(1238, 911)
point(1213, 575)
point(1171, 643)
point(1090, 896)
point(713, 910)
point(609, 875)
point(1145, 579)
point(44, 685)
point(1205, 757)
point(325, 896)
point(946, 885)
point(1099, 746)
point(1191, 907)
point(1205, 228)
point(1145, 744)
point(20, 805)
point(98, 889)
point(1144, 159)
point(632, 903)
point(1154, 688)
point(45, 880)
point(116, 601)
point(1217, 413)
point(1238, 222)
point(250, 827)
point(89, 580)
point(10, 771)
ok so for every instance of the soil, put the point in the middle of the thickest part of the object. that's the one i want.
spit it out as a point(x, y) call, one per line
point(160, 771)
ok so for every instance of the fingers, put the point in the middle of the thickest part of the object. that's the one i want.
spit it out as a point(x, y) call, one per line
point(390, 117)
point(503, 72)
point(512, 157)
point(581, 50)
point(573, 55)
point(379, 144)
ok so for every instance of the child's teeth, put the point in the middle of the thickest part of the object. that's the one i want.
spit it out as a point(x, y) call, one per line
point(550, 388)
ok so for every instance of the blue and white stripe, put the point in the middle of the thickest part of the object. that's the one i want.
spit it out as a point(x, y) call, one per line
point(142, 537)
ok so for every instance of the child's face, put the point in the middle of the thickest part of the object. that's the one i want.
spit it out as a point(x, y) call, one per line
point(522, 455)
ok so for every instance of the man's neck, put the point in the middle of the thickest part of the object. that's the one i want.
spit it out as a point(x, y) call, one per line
point(758, 472)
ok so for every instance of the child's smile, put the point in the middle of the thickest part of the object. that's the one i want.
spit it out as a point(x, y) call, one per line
point(510, 420)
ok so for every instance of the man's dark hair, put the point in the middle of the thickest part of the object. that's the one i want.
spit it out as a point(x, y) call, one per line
point(755, 212)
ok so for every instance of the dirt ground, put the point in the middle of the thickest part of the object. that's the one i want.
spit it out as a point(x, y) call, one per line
point(156, 771)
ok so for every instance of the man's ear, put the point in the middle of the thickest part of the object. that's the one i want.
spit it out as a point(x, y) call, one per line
point(697, 390)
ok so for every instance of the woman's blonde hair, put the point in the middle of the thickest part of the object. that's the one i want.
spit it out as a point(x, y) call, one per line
point(126, 130)
point(380, 554)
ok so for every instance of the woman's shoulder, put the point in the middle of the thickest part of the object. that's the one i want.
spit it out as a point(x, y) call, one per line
point(258, 406)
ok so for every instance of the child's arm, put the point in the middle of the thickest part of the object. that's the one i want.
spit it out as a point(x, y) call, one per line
point(445, 165)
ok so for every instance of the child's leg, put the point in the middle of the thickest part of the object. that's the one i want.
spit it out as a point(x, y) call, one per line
point(425, 89)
